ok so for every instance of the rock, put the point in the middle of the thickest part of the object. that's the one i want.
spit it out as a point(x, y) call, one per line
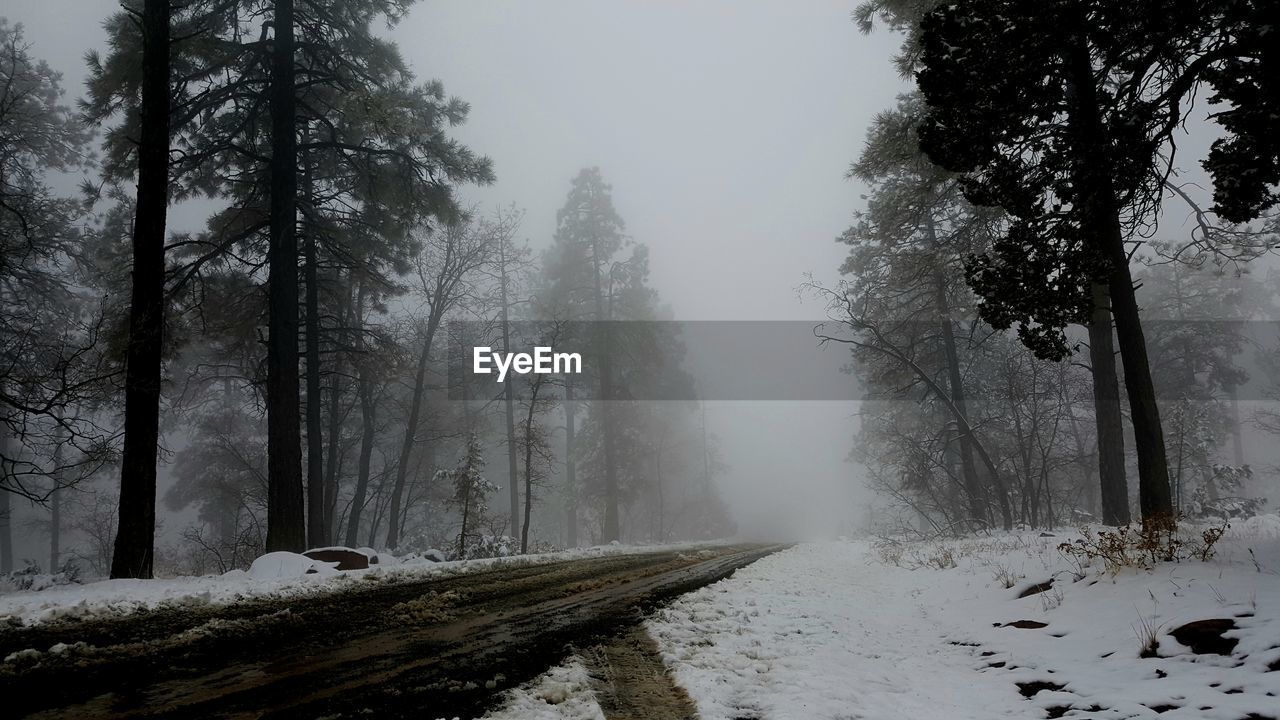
point(1036, 589)
point(346, 558)
point(1204, 637)
point(1031, 688)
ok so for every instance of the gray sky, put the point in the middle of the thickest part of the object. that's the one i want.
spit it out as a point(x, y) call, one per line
point(725, 127)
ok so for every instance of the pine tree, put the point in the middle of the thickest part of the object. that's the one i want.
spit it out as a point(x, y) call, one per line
point(1017, 105)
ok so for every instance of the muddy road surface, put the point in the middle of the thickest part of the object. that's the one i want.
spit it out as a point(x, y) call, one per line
point(418, 648)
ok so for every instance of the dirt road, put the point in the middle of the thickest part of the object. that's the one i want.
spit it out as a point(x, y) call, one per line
point(422, 649)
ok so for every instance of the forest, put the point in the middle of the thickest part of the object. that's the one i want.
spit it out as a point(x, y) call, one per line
point(637, 360)
point(286, 362)
point(1053, 318)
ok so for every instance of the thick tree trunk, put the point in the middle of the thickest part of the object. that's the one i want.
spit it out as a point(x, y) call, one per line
point(1107, 415)
point(570, 467)
point(1103, 228)
point(286, 529)
point(1153, 472)
point(317, 535)
point(135, 534)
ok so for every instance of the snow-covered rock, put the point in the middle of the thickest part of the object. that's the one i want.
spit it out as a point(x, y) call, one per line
point(286, 564)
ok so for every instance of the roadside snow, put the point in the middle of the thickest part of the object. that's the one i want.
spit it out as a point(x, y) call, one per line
point(562, 693)
point(819, 632)
point(833, 631)
point(276, 578)
point(288, 565)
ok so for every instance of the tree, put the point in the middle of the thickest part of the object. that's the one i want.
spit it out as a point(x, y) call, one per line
point(135, 538)
point(1245, 163)
point(905, 251)
point(376, 152)
point(471, 491)
point(1023, 102)
point(510, 262)
point(533, 440)
point(445, 269)
point(55, 373)
point(581, 270)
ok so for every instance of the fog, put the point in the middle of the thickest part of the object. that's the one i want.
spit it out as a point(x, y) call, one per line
point(726, 130)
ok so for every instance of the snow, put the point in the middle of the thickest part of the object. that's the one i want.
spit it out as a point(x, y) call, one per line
point(819, 632)
point(288, 565)
point(835, 631)
point(563, 693)
point(278, 578)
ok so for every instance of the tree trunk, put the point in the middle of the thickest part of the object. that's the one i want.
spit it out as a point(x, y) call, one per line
point(462, 532)
point(411, 429)
point(55, 530)
point(972, 483)
point(317, 534)
point(335, 442)
point(508, 394)
point(55, 515)
point(368, 415)
point(367, 428)
point(528, 475)
point(570, 468)
point(336, 416)
point(611, 528)
point(286, 529)
point(1107, 416)
point(1098, 197)
point(6, 531)
point(135, 535)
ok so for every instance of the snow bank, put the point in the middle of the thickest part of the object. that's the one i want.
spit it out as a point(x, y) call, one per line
point(275, 579)
point(834, 631)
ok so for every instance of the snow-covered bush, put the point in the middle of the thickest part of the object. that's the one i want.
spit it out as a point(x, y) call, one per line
point(32, 577)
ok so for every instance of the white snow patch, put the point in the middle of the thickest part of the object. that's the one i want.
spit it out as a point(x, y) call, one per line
point(562, 693)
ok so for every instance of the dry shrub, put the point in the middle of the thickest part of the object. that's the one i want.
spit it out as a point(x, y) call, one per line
point(1143, 546)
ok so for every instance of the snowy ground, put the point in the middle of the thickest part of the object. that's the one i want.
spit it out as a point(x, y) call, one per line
point(267, 579)
point(845, 630)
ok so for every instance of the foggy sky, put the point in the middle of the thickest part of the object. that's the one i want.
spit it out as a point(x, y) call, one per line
point(725, 128)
